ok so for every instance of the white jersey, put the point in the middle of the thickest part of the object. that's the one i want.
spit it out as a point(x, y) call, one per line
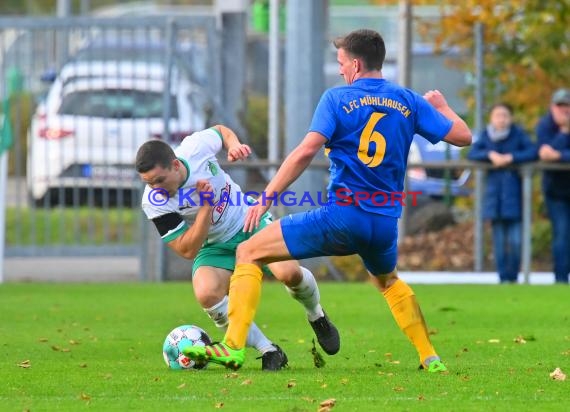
point(173, 215)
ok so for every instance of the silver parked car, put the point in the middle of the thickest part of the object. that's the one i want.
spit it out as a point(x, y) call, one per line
point(83, 137)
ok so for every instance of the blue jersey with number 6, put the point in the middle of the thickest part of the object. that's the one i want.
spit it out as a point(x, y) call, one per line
point(369, 127)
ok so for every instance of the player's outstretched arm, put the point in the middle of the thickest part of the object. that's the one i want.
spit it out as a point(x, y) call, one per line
point(189, 243)
point(290, 170)
point(459, 134)
point(236, 149)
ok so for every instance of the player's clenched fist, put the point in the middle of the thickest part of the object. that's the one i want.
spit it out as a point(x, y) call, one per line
point(435, 98)
point(238, 152)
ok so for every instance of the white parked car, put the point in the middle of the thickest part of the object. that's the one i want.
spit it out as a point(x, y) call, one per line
point(83, 138)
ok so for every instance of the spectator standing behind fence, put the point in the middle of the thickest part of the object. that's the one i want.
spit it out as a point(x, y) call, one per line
point(503, 143)
point(553, 132)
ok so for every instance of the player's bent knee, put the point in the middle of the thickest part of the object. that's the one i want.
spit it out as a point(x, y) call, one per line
point(245, 253)
point(206, 296)
point(207, 300)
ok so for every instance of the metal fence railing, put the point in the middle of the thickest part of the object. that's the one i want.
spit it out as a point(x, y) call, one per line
point(527, 171)
point(84, 94)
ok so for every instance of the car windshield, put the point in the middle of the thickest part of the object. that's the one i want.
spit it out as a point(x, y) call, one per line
point(120, 54)
point(116, 104)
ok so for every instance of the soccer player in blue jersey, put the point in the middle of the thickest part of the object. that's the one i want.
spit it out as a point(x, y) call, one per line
point(367, 127)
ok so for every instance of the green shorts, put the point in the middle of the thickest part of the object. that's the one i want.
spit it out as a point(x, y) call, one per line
point(223, 255)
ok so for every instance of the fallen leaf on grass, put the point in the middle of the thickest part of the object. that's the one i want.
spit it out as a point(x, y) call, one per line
point(42, 339)
point(55, 348)
point(558, 375)
point(84, 397)
point(82, 365)
point(344, 381)
point(247, 382)
point(566, 353)
point(232, 375)
point(421, 398)
point(529, 338)
point(494, 341)
point(291, 384)
point(318, 359)
point(73, 342)
point(398, 389)
point(327, 405)
point(182, 385)
point(219, 405)
point(25, 364)
point(519, 339)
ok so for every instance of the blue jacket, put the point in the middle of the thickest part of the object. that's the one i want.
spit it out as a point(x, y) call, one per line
point(503, 194)
point(554, 184)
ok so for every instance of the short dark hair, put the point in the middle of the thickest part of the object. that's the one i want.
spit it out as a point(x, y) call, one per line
point(365, 44)
point(154, 153)
point(504, 105)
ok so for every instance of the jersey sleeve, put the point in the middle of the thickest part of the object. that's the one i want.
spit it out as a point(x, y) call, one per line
point(169, 224)
point(208, 141)
point(430, 123)
point(324, 118)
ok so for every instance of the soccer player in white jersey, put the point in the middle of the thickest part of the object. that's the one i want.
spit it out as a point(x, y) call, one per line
point(199, 212)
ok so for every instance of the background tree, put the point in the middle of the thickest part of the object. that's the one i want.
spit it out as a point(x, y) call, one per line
point(527, 48)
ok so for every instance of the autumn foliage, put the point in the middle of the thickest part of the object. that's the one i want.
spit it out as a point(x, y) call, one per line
point(527, 47)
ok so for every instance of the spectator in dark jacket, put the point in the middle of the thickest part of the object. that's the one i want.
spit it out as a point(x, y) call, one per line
point(503, 143)
point(553, 132)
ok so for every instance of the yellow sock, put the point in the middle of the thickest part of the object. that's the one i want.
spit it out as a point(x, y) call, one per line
point(408, 315)
point(245, 291)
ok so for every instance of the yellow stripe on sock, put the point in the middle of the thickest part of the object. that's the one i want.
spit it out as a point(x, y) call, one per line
point(245, 291)
point(408, 316)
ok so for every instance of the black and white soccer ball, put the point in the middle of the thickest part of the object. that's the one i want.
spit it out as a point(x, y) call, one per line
point(182, 336)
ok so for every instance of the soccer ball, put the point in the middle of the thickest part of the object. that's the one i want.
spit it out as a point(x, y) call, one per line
point(182, 336)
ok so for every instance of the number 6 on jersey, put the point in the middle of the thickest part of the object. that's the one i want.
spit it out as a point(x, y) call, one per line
point(368, 136)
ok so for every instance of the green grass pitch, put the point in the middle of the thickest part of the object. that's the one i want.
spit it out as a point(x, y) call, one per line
point(98, 347)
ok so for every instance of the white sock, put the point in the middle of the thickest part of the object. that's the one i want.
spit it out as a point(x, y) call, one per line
point(255, 337)
point(307, 293)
